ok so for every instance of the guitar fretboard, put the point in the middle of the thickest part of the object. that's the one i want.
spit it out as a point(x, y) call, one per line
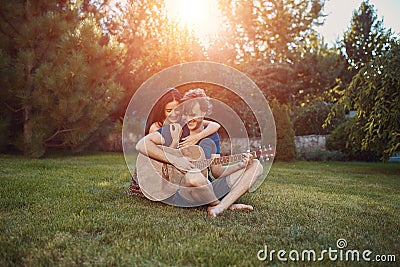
point(202, 164)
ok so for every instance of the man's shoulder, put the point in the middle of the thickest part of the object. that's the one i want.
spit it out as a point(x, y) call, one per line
point(210, 145)
point(214, 136)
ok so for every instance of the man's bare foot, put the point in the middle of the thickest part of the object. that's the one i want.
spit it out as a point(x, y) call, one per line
point(214, 211)
point(243, 207)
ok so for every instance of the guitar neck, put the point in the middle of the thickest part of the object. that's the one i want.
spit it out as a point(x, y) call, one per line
point(202, 164)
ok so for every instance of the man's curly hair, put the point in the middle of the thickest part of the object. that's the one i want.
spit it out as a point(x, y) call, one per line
point(201, 98)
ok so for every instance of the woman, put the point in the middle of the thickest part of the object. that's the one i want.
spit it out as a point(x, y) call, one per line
point(164, 113)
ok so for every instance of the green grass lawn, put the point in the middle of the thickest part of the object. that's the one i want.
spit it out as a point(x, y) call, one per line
point(72, 210)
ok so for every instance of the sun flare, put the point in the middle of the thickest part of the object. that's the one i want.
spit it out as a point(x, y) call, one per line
point(201, 16)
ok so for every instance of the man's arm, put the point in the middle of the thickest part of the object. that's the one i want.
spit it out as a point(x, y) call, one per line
point(221, 171)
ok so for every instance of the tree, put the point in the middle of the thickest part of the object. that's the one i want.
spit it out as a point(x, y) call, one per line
point(270, 30)
point(285, 146)
point(309, 119)
point(373, 91)
point(316, 71)
point(312, 76)
point(365, 38)
point(377, 104)
point(279, 49)
point(6, 110)
point(152, 41)
point(64, 86)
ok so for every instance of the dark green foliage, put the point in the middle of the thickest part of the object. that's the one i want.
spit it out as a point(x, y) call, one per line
point(312, 75)
point(62, 88)
point(6, 110)
point(377, 124)
point(317, 69)
point(374, 94)
point(309, 119)
point(339, 140)
point(285, 146)
point(374, 89)
point(322, 155)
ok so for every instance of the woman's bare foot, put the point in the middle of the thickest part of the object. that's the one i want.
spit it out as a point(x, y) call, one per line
point(243, 207)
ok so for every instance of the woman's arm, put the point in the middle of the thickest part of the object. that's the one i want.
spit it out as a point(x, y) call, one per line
point(211, 127)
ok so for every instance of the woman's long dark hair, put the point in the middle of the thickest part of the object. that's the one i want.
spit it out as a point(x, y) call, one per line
point(157, 114)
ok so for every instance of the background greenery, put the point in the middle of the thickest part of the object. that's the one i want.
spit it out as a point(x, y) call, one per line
point(71, 210)
point(69, 68)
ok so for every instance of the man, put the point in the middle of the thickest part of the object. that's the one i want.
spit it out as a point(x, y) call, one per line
point(232, 181)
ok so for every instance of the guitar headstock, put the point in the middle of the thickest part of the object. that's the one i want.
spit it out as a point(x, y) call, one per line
point(265, 153)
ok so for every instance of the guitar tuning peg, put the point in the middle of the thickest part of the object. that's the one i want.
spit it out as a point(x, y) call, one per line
point(271, 152)
point(265, 153)
point(260, 154)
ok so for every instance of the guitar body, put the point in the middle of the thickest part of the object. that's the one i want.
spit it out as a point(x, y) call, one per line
point(159, 180)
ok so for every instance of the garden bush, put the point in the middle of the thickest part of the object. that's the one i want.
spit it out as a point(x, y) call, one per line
point(339, 141)
point(321, 155)
point(285, 146)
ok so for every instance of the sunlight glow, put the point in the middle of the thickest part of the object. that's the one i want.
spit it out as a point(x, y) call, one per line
point(201, 16)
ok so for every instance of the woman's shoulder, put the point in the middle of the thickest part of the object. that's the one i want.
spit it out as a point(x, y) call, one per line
point(154, 127)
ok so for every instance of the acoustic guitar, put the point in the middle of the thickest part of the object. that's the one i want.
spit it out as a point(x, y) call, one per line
point(159, 180)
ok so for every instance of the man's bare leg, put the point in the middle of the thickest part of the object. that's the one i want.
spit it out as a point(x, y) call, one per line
point(198, 189)
point(241, 185)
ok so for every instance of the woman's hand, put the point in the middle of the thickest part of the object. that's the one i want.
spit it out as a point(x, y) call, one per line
point(189, 140)
point(180, 163)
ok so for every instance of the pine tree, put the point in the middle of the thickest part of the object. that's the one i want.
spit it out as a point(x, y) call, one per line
point(365, 37)
point(64, 87)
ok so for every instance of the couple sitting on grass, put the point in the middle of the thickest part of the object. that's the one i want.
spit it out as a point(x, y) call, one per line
point(180, 124)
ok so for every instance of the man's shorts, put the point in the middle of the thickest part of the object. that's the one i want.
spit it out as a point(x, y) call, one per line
point(220, 187)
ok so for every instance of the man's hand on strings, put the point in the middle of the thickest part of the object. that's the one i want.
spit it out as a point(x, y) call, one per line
point(247, 160)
